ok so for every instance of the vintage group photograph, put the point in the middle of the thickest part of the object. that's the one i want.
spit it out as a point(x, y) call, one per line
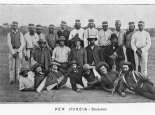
point(76, 53)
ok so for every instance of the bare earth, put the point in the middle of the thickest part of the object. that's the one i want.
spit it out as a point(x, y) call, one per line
point(10, 93)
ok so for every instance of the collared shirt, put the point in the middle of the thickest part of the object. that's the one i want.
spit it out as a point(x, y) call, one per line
point(77, 31)
point(90, 32)
point(21, 40)
point(128, 38)
point(61, 54)
point(120, 34)
point(141, 39)
point(31, 40)
point(104, 37)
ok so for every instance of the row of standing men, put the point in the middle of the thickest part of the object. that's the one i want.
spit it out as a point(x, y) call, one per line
point(93, 46)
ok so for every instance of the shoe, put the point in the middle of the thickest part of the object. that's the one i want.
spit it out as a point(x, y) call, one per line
point(11, 82)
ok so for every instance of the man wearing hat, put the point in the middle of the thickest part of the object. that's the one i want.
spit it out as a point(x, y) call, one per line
point(77, 31)
point(104, 35)
point(135, 82)
point(61, 52)
point(51, 37)
point(127, 42)
point(39, 31)
point(64, 31)
point(120, 33)
point(90, 31)
point(42, 54)
point(75, 75)
point(78, 53)
point(26, 79)
point(141, 43)
point(31, 39)
point(16, 45)
point(92, 52)
point(109, 53)
point(107, 77)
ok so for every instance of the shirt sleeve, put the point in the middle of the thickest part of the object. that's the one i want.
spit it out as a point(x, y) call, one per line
point(70, 35)
point(22, 42)
point(133, 45)
point(148, 42)
point(9, 43)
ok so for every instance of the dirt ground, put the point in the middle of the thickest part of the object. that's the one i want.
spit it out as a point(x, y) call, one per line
point(10, 93)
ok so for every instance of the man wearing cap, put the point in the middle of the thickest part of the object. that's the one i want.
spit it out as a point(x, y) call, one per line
point(42, 54)
point(90, 31)
point(51, 37)
point(135, 82)
point(93, 51)
point(78, 53)
point(16, 45)
point(39, 31)
point(77, 31)
point(141, 43)
point(120, 33)
point(104, 35)
point(31, 39)
point(127, 42)
point(61, 52)
point(64, 31)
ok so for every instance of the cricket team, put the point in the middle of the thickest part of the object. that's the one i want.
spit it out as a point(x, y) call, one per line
point(81, 59)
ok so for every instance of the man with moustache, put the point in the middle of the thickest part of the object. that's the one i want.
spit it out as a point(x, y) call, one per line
point(127, 43)
point(31, 39)
point(91, 30)
point(141, 43)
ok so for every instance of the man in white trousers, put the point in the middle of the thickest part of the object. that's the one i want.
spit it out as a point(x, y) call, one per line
point(16, 44)
point(141, 44)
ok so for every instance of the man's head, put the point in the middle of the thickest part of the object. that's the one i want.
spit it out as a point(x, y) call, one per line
point(118, 25)
point(105, 25)
point(87, 69)
point(61, 41)
point(74, 64)
point(42, 43)
point(77, 24)
point(36, 68)
point(54, 66)
point(91, 23)
point(31, 28)
point(125, 66)
point(141, 25)
point(78, 42)
point(92, 39)
point(114, 39)
point(51, 28)
point(131, 26)
point(63, 25)
point(38, 29)
point(102, 68)
point(14, 25)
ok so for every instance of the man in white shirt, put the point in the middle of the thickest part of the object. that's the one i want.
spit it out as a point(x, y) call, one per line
point(77, 31)
point(16, 45)
point(31, 39)
point(61, 52)
point(141, 44)
point(104, 35)
point(120, 33)
point(90, 31)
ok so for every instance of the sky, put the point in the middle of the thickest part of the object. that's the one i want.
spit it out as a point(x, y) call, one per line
point(53, 14)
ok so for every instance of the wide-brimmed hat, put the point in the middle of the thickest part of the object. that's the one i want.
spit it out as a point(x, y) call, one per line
point(100, 64)
point(124, 63)
point(91, 37)
point(35, 66)
point(23, 70)
point(87, 67)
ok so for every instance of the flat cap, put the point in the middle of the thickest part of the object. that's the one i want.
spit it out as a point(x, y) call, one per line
point(105, 23)
point(63, 22)
point(14, 22)
point(131, 22)
point(87, 67)
point(117, 22)
point(141, 22)
point(91, 20)
point(124, 63)
point(100, 64)
point(77, 20)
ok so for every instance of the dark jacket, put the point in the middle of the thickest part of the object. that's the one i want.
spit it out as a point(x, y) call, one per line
point(93, 55)
point(64, 33)
point(80, 55)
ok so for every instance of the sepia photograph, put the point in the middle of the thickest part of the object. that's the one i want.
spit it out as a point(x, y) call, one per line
point(77, 53)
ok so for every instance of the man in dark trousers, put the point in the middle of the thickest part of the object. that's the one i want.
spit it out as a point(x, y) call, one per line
point(78, 53)
point(136, 82)
point(64, 32)
point(93, 50)
point(129, 51)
